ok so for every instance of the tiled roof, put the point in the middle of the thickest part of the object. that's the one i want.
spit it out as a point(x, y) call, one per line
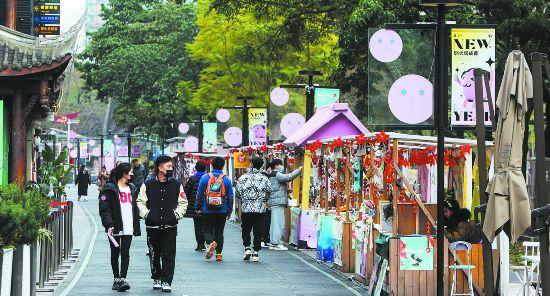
point(20, 51)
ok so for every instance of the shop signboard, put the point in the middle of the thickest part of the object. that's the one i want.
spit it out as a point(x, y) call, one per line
point(326, 96)
point(471, 48)
point(47, 18)
point(257, 126)
point(47, 8)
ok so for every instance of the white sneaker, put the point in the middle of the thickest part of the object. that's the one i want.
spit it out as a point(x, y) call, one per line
point(157, 285)
point(247, 253)
point(166, 288)
point(255, 257)
point(264, 245)
point(280, 247)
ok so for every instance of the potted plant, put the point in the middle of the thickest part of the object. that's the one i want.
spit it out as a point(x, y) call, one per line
point(22, 217)
point(54, 173)
point(9, 227)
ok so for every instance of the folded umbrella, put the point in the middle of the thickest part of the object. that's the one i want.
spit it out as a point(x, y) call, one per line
point(508, 199)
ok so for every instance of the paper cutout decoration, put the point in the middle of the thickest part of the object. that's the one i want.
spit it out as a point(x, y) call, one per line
point(233, 136)
point(291, 123)
point(411, 99)
point(183, 127)
point(223, 115)
point(191, 144)
point(117, 140)
point(385, 45)
point(279, 96)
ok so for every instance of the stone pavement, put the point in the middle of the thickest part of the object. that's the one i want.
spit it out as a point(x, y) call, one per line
point(277, 273)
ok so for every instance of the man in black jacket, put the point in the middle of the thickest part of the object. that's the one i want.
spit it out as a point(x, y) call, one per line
point(191, 188)
point(162, 202)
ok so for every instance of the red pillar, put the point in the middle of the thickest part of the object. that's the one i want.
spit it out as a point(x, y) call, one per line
point(17, 143)
point(11, 13)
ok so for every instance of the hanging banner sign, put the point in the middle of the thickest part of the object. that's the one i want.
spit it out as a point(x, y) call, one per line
point(83, 149)
point(326, 96)
point(210, 136)
point(472, 48)
point(257, 126)
point(136, 151)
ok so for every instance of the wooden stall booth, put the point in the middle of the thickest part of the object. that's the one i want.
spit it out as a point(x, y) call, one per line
point(377, 202)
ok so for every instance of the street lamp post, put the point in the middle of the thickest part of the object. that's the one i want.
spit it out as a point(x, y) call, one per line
point(441, 114)
point(200, 131)
point(245, 100)
point(310, 91)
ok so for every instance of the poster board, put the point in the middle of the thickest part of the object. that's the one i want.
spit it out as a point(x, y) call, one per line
point(379, 278)
point(471, 48)
point(324, 96)
point(415, 253)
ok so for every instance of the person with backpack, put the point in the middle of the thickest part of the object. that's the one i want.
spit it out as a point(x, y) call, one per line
point(120, 217)
point(162, 203)
point(214, 204)
point(278, 200)
point(191, 188)
point(253, 191)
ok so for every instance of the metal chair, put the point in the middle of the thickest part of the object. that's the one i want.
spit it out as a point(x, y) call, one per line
point(466, 247)
point(529, 274)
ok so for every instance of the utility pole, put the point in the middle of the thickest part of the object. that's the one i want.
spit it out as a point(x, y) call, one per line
point(246, 138)
point(129, 147)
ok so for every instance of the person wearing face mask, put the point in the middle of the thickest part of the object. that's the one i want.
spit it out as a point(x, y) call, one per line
point(278, 200)
point(162, 203)
point(120, 217)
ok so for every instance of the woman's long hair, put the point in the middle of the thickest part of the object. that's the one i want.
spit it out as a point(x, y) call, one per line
point(120, 170)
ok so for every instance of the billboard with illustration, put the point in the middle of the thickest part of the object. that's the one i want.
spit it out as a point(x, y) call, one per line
point(471, 48)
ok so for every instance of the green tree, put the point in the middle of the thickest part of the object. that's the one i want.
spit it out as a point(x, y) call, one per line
point(241, 58)
point(138, 57)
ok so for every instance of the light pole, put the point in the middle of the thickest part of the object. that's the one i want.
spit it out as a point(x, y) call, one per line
point(245, 119)
point(441, 114)
point(310, 91)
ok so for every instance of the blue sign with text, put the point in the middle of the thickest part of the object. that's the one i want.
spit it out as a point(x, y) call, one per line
point(47, 19)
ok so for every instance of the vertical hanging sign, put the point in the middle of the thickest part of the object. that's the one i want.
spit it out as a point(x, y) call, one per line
point(472, 48)
point(257, 126)
point(210, 136)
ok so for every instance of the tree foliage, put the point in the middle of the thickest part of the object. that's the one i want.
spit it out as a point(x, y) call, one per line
point(241, 58)
point(138, 57)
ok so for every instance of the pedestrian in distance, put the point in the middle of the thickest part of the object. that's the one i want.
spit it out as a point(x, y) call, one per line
point(252, 190)
point(191, 188)
point(83, 180)
point(102, 178)
point(214, 204)
point(278, 201)
point(266, 241)
point(120, 217)
point(162, 203)
point(151, 174)
point(139, 173)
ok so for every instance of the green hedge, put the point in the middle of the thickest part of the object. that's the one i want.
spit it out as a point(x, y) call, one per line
point(22, 215)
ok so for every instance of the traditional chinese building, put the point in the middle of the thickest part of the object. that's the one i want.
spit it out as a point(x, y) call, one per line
point(31, 71)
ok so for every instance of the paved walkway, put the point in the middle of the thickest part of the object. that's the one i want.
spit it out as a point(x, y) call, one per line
point(278, 273)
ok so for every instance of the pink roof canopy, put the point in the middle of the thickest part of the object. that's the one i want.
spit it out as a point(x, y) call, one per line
point(336, 120)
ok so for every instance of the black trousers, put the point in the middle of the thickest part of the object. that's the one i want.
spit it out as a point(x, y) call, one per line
point(122, 251)
point(199, 236)
point(162, 248)
point(252, 222)
point(213, 226)
point(265, 229)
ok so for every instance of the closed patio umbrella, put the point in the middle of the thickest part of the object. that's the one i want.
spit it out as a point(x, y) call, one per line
point(508, 199)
